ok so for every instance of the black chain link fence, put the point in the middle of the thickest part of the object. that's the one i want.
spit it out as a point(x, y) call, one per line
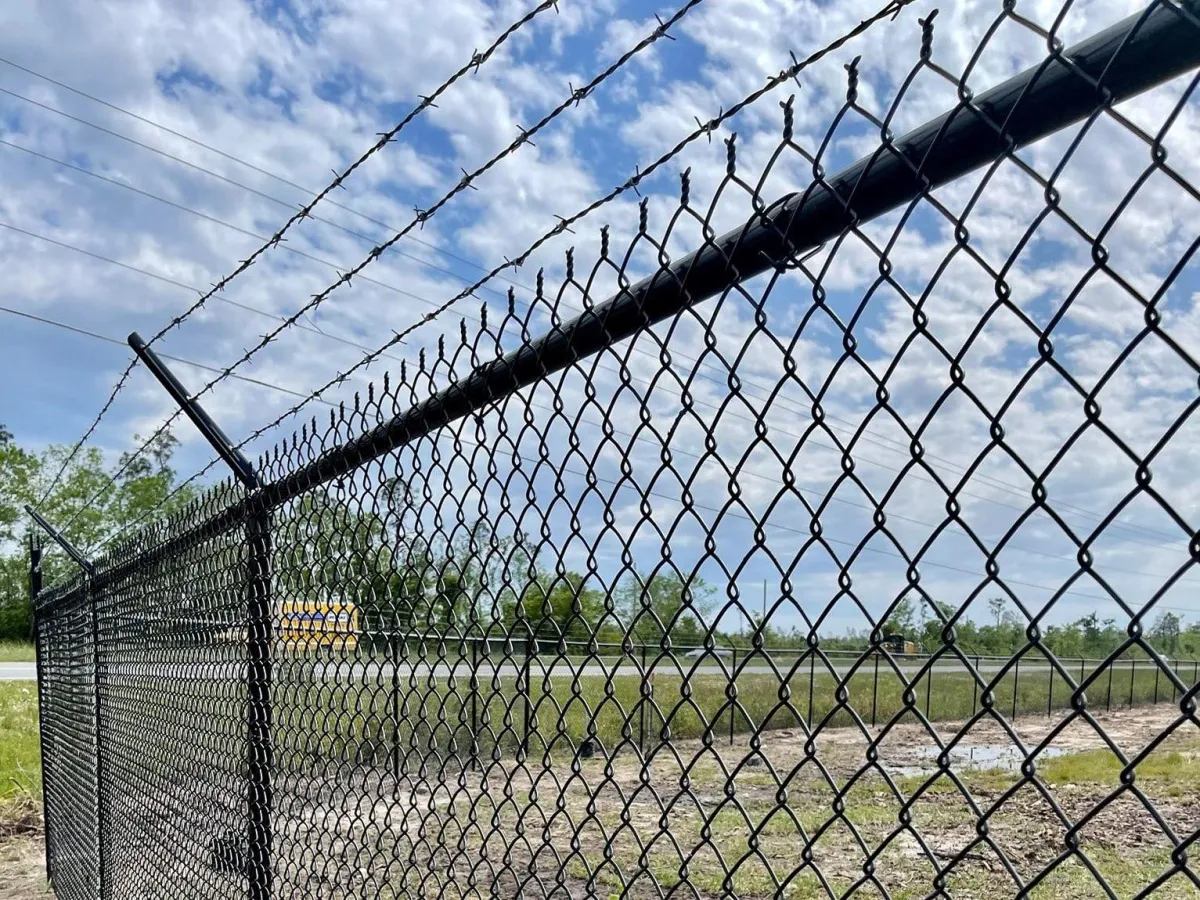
point(487, 631)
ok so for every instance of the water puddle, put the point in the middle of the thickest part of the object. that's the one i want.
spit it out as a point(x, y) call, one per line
point(1004, 757)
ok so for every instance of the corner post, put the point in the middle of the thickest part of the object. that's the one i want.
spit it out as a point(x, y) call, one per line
point(259, 743)
point(89, 599)
point(35, 589)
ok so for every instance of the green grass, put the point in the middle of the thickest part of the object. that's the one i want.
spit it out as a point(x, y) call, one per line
point(20, 762)
point(615, 710)
point(17, 651)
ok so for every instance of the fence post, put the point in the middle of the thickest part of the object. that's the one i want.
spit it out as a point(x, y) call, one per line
point(1050, 698)
point(1132, 674)
point(642, 714)
point(259, 739)
point(1108, 700)
point(875, 689)
point(525, 672)
point(35, 588)
point(929, 690)
point(975, 687)
point(474, 704)
point(812, 680)
point(394, 658)
point(732, 705)
point(89, 600)
point(1016, 685)
point(1157, 673)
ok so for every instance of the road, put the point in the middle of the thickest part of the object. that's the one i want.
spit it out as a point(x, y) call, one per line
point(18, 671)
point(380, 671)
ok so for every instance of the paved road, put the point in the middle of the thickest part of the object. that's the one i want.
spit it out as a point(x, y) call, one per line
point(376, 671)
point(18, 671)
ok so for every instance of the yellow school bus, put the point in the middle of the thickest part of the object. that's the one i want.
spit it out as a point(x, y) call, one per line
point(318, 623)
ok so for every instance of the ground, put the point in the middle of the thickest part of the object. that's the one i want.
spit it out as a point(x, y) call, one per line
point(22, 860)
point(752, 817)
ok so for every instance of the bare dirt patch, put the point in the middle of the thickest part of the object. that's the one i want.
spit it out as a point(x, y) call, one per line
point(23, 866)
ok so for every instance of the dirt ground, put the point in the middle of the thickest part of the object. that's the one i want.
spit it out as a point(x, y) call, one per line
point(22, 856)
point(890, 814)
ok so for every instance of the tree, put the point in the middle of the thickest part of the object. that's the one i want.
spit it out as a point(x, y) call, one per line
point(996, 606)
point(901, 620)
point(1165, 632)
point(665, 604)
point(89, 503)
point(556, 608)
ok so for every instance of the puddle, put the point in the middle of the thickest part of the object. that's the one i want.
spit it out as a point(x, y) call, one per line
point(1006, 758)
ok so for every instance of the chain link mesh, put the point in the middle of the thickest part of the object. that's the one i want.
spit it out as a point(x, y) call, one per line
point(489, 630)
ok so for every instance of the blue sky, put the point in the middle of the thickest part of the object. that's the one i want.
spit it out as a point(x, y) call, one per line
point(300, 89)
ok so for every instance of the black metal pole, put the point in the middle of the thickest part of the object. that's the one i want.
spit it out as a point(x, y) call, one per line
point(929, 691)
point(812, 677)
point(526, 688)
point(1132, 674)
point(1108, 701)
point(35, 588)
point(81, 561)
point(875, 689)
point(474, 703)
point(256, 515)
point(1157, 673)
point(215, 436)
point(98, 725)
point(732, 704)
point(1050, 698)
point(1016, 685)
point(259, 743)
point(975, 687)
point(394, 657)
point(642, 712)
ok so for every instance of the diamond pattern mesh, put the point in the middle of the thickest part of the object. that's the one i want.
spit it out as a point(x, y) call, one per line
point(495, 628)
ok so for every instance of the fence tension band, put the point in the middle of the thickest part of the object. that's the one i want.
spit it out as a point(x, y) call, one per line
point(80, 559)
point(202, 420)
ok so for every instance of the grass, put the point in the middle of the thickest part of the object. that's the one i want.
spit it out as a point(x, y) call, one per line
point(321, 725)
point(22, 873)
point(616, 711)
point(17, 651)
point(20, 763)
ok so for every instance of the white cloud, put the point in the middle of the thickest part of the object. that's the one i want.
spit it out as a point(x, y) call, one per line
point(339, 73)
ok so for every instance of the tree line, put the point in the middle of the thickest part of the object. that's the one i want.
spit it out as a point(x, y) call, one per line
point(463, 580)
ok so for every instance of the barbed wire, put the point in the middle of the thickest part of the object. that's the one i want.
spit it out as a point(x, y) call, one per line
point(329, 201)
point(576, 96)
point(890, 10)
point(714, 374)
point(477, 59)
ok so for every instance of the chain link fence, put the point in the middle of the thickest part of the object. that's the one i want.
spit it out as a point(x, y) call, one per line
point(485, 632)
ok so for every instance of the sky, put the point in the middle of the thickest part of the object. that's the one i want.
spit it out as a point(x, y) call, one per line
point(208, 124)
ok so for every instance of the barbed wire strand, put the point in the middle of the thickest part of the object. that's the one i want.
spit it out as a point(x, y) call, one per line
point(890, 10)
point(834, 422)
point(477, 59)
point(847, 427)
point(887, 443)
point(329, 201)
point(422, 215)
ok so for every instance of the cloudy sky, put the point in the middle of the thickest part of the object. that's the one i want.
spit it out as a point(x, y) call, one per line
point(149, 147)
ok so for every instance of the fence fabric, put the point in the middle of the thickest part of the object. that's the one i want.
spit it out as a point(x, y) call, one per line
point(494, 629)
